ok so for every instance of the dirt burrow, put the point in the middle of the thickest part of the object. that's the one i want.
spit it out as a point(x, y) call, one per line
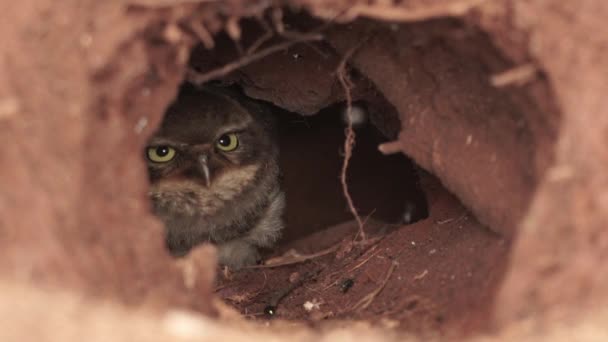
point(434, 277)
point(84, 84)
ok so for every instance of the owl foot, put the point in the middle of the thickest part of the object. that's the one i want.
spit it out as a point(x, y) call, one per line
point(237, 254)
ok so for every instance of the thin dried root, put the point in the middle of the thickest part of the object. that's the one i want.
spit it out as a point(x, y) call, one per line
point(198, 78)
point(153, 4)
point(372, 254)
point(442, 222)
point(369, 298)
point(266, 36)
point(349, 140)
point(421, 275)
point(293, 257)
point(233, 29)
point(341, 273)
point(390, 147)
point(395, 13)
point(277, 19)
point(519, 75)
point(203, 34)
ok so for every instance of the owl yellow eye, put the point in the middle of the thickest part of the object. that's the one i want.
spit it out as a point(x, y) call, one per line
point(161, 154)
point(228, 142)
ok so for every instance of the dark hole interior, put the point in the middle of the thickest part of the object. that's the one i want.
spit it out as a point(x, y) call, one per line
point(385, 188)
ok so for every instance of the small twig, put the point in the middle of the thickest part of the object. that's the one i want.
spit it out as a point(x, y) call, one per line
point(442, 222)
point(366, 259)
point(266, 36)
point(259, 42)
point(341, 272)
point(421, 275)
point(198, 78)
point(319, 51)
point(394, 13)
point(202, 34)
point(369, 298)
point(391, 147)
point(277, 19)
point(152, 4)
point(519, 75)
point(233, 29)
point(281, 32)
point(263, 285)
point(253, 315)
point(296, 258)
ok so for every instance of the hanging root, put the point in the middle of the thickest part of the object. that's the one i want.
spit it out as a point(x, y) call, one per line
point(254, 53)
point(349, 140)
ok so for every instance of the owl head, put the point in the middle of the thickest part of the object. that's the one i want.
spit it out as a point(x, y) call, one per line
point(210, 147)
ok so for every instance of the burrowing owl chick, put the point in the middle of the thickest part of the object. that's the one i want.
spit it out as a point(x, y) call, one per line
point(214, 174)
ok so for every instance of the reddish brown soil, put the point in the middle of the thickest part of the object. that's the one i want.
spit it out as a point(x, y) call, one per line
point(448, 270)
point(83, 83)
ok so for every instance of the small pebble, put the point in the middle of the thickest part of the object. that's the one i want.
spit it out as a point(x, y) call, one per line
point(408, 213)
point(270, 310)
point(295, 276)
point(312, 305)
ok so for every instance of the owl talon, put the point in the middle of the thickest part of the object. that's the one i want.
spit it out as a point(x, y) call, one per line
point(238, 254)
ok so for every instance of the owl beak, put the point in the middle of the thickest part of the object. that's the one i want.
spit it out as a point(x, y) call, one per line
point(204, 167)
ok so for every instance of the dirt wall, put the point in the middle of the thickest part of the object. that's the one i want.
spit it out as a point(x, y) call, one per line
point(84, 83)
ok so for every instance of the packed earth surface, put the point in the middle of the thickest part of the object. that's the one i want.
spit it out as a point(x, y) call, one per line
point(478, 185)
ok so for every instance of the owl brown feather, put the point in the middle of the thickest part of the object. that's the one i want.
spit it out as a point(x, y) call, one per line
point(205, 193)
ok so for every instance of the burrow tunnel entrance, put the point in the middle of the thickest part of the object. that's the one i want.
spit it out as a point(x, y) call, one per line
point(439, 218)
